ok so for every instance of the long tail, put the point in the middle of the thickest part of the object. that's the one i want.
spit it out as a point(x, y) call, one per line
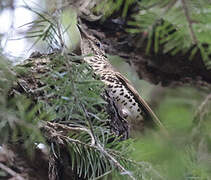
point(127, 84)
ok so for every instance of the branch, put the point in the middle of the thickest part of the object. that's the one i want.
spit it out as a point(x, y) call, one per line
point(190, 22)
point(200, 112)
point(89, 124)
point(103, 151)
point(57, 137)
point(11, 172)
point(56, 126)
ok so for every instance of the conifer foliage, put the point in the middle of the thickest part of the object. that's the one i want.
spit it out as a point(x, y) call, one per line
point(172, 26)
point(61, 106)
point(55, 100)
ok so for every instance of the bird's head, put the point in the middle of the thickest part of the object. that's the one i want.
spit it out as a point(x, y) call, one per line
point(92, 45)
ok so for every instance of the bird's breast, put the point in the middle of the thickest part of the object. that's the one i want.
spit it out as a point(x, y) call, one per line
point(124, 98)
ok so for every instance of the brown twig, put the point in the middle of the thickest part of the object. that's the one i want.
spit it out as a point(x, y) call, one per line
point(201, 108)
point(11, 172)
point(190, 22)
point(69, 128)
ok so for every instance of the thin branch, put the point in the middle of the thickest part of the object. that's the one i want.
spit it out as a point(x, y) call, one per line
point(103, 151)
point(68, 128)
point(199, 113)
point(103, 175)
point(56, 136)
point(190, 22)
point(89, 123)
point(142, 164)
point(203, 104)
point(11, 172)
point(170, 5)
point(116, 163)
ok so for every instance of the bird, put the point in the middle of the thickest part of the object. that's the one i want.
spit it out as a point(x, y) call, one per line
point(131, 106)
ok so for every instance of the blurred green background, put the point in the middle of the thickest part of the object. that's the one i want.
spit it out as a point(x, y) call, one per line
point(188, 148)
point(184, 111)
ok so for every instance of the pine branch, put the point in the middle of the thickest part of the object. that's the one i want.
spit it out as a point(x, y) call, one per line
point(66, 129)
point(52, 133)
point(90, 125)
point(116, 163)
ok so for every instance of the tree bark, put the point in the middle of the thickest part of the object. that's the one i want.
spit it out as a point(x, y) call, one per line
point(159, 68)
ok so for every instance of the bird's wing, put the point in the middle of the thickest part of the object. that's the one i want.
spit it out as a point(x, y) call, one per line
point(139, 99)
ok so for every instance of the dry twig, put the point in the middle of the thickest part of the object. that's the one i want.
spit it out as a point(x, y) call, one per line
point(190, 22)
point(11, 172)
point(201, 109)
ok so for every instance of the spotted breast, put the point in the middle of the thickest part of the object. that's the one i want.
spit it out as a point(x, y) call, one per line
point(132, 106)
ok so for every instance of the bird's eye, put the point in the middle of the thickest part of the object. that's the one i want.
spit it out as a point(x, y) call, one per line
point(98, 44)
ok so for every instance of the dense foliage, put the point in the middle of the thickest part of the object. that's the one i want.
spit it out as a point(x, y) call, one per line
point(172, 26)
